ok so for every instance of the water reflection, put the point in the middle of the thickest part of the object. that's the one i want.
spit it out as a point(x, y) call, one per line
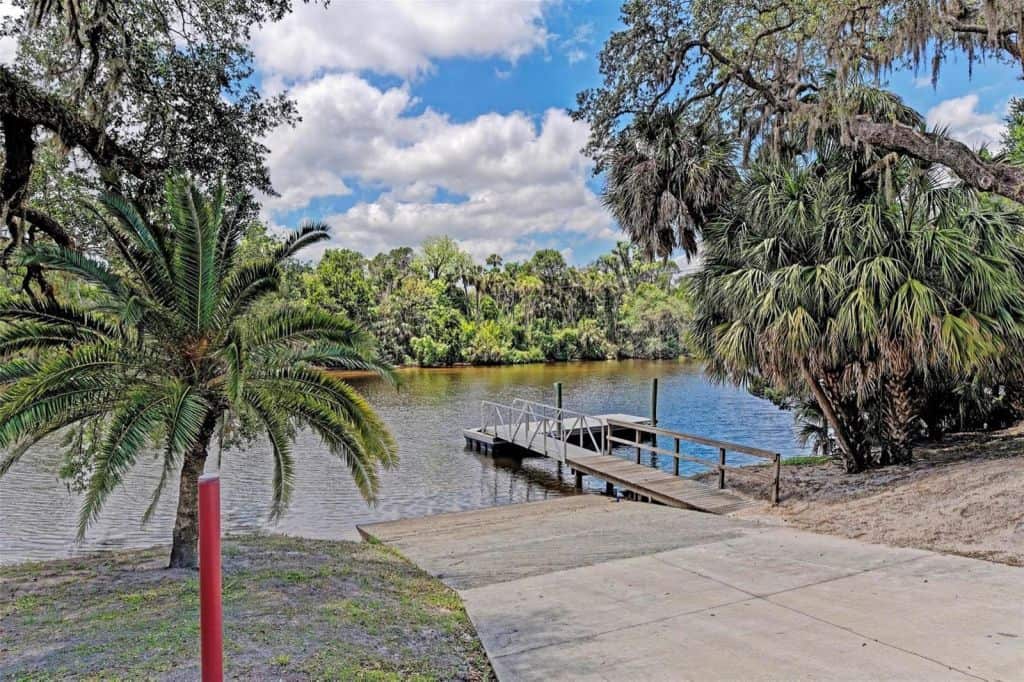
point(436, 473)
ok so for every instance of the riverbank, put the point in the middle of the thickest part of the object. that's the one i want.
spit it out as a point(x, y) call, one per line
point(962, 496)
point(294, 609)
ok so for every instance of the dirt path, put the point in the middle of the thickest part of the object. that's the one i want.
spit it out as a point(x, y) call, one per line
point(964, 496)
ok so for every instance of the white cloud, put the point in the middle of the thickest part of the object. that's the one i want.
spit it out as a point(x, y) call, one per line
point(575, 46)
point(398, 37)
point(961, 117)
point(514, 177)
point(8, 44)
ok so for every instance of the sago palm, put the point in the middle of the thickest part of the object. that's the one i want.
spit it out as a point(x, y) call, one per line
point(175, 347)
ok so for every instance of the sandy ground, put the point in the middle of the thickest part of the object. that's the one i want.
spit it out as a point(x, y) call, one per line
point(962, 496)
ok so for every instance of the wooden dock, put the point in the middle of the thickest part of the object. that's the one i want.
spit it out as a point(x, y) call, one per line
point(584, 443)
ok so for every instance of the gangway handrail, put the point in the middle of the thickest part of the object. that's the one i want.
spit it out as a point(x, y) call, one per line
point(534, 419)
point(677, 436)
point(578, 420)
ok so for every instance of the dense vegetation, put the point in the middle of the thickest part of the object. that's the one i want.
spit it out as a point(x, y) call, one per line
point(436, 306)
point(884, 310)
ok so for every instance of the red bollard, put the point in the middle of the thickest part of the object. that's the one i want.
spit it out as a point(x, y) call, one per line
point(211, 615)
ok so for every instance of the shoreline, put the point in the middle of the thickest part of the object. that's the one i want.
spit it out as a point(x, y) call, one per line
point(962, 496)
point(359, 373)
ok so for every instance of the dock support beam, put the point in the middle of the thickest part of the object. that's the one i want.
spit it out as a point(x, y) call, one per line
point(778, 478)
point(721, 468)
point(609, 489)
point(579, 479)
point(654, 401)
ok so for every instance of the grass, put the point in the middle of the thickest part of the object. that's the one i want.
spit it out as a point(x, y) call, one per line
point(294, 609)
point(806, 461)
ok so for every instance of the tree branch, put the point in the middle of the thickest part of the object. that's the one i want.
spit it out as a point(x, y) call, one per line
point(989, 176)
point(21, 99)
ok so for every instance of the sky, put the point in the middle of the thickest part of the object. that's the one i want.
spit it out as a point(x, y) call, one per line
point(449, 117)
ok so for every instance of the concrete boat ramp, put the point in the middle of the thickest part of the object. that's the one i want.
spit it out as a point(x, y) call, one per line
point(586, 588)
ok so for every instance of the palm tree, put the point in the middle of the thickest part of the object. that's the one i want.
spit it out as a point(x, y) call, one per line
point(666, 180)
point(175, 348)
point(854, 295)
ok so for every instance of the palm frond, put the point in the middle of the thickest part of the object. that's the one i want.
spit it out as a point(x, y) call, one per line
point(127, 432)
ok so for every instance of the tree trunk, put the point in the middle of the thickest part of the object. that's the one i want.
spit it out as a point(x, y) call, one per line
point(899, 411)
point(851, 444)
point(185, 539)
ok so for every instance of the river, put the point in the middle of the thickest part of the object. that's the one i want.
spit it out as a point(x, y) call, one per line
point(436, 473)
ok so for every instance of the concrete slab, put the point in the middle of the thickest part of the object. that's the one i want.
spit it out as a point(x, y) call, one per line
point(967, 612)
point(780, 559)
point(537, 612)
point(468, 549)
point(749, 640)
point(589, 589)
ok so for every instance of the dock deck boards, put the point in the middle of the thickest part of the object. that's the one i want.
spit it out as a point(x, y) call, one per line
point(639, 479)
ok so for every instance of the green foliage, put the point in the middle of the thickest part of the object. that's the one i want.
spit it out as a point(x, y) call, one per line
point(430, 353)
point(340, 284)
point(440, 307)
point(830, 283)
point(655, 321)
point(490, 343)
point(172, 343)
point(1013, 138)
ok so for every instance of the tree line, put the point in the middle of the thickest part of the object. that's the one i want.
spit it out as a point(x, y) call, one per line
point(437, 306)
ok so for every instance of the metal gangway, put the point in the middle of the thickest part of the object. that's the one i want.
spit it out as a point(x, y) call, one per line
point(542, 428)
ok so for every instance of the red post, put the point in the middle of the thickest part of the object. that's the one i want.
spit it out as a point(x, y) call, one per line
point(211, 616)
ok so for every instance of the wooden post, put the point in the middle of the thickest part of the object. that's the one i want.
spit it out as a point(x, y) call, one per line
point(778, 478)
point(721, 468)
point(609, 489)
point(636, 439)
point(558, 404)
point(677, 458)
point(579, 479)
point(654, 401)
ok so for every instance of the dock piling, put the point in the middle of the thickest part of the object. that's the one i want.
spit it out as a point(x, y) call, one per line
point(721, 468)
point(654, 401)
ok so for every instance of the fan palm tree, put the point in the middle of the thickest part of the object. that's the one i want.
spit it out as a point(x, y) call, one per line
point(854, 297)
point(175, 347)
point(666, 180)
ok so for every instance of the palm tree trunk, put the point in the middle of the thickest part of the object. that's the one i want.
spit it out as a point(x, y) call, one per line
point(850, 445)
point(185, 539)
point(899, 410)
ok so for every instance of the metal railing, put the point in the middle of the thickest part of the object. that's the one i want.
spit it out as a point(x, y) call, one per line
point(540, 427)
point(723, 446)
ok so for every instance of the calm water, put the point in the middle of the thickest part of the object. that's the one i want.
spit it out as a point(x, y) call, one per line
point(436, 473)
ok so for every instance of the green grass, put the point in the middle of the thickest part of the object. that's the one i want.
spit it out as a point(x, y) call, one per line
point(805, 461)
point(293, 608)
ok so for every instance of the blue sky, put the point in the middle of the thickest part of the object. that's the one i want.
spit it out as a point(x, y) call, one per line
point(449, 118)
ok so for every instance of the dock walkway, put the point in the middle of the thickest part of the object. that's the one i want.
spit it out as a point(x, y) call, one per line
point(583, 442)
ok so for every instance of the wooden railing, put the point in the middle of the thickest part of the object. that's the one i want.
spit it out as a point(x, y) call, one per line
point(650, 445)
